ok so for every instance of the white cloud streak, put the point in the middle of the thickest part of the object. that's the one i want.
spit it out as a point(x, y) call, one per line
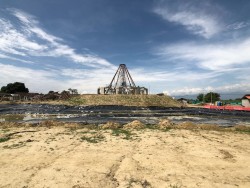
point(238, 25)
point(23, 41)
point(194, 18)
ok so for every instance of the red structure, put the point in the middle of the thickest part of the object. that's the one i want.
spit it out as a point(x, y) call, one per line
point(227, 107)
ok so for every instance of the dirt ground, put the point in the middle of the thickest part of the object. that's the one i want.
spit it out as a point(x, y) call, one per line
point(61, 157)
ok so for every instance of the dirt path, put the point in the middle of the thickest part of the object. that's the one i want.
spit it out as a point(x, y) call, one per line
point(60, 157)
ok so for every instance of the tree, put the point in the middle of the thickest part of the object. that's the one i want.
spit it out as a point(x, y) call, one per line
point(212, 97)
point(14, 88)
point(200, 97)
point(73, 91)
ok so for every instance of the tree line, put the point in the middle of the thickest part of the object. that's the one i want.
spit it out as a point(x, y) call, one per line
point(15, 88)
point(209, 97)
point(19, 87)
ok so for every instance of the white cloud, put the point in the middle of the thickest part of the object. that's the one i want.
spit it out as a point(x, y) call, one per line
point(194, 18)
point(232, 88)
point(238, 25)
point(14, 42)
point(30, 39)
point(16, 59)
point(141, 75)
point(35, 80)
point(85, 80)
point(215, 56)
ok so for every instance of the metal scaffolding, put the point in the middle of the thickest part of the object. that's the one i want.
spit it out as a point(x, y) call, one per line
point(122, 83)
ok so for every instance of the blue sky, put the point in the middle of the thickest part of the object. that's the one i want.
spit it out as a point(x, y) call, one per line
point(179, 47)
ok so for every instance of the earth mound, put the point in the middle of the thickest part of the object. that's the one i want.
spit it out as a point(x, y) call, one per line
point(110, 125)
point(136, 124)
point(165, 123)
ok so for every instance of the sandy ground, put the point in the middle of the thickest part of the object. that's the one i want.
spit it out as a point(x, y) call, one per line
point(59, 157)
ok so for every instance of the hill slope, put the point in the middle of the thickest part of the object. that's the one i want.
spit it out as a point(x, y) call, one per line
point(125, 100)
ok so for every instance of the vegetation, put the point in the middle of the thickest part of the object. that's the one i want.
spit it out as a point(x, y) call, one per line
point(73, 91)
point(4, 139)
point(200, 97)
point(118, 132)
point(14, 88)
point(232, 101)
point(209, 97)
point(242, 129)
point(93, 139)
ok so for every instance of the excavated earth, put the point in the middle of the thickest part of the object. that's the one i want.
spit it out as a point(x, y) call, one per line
point(85, 157)
point(34, 113)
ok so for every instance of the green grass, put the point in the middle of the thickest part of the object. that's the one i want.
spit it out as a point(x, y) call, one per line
point(154, 127)
point(150, 126)
point(166, 129)
point(243, 131)
point(12, 117)
point(94, 139)
point(4, 139)
point(118, 132)
point(77, 101)
point(5, 130)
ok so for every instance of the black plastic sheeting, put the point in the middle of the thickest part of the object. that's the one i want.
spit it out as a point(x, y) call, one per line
point(124, 114)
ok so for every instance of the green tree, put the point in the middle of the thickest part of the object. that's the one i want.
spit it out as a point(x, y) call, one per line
point(212, 97)
point(14, 88)
point(73, 91)
point(200, 97)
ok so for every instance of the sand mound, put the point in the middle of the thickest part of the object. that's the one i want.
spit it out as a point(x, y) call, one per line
point(186, 125)
point(136, 124)
point(165, 123)
point(110, 125)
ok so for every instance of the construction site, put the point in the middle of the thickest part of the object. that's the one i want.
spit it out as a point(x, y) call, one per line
point(122, 83)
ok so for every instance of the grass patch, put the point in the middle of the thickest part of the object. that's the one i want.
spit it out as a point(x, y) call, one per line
point(93, 139)
point(155, 127)
point(5, 130)
point(150, 126)
point(12, 117)
point(118, 132)
point(242, 129)
point(77, 101)
point(91, 126)
point(14, 146)
point(175, 186)
point(4, 139)
point(166, 129)
point(144, 184)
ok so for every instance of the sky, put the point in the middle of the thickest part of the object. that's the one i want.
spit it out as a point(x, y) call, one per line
point(178, 47)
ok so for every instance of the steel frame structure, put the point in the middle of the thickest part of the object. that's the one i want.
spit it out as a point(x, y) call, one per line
point(122, 80)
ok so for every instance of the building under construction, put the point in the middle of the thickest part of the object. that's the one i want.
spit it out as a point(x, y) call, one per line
point(122, 83)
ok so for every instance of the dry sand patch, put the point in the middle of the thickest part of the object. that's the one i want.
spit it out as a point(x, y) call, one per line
point(63, 157)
